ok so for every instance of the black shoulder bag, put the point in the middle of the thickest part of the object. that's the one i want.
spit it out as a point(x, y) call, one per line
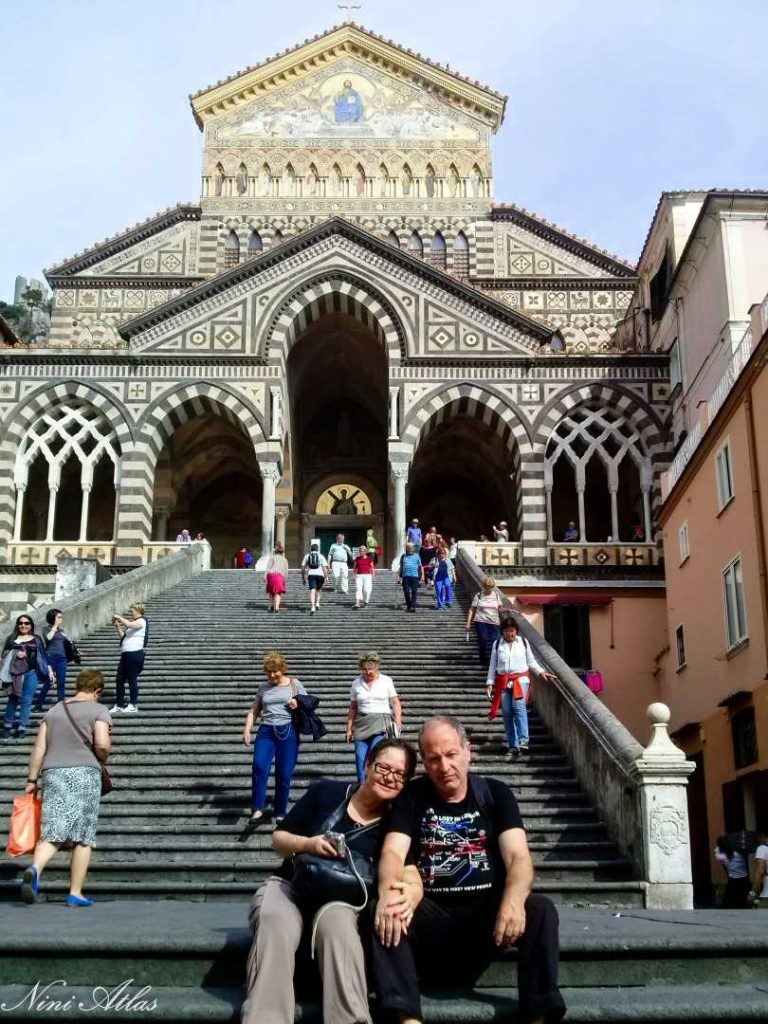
point(318, 880)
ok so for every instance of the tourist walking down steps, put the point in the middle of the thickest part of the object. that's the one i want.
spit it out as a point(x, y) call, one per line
point(24, 664)
point(339, 557)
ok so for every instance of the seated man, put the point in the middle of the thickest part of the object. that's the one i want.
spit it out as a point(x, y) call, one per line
point(470, 847)
point(572, 533)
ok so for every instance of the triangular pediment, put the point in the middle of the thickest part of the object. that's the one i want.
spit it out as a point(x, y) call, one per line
point(245, 311)
point(336, 45)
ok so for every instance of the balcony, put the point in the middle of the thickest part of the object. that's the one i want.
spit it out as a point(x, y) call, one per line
point(601, 555)
point(492, 555)
point(34, 552)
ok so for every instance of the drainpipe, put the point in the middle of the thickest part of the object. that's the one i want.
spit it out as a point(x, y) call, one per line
point(757, 505)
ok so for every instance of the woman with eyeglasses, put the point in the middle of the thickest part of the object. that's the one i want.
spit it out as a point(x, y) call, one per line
point(24, 664)
point(330, 808)
point(72, 744)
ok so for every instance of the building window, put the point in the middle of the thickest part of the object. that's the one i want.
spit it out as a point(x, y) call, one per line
point(735, 608)
point(437, 251)
point(461, 255)
point(232, 250)
point(682, 536)
point(680, 644)
point(675, 370)
point(566, 628)
point(724, 474)
point(744, 735)
point(659, 286)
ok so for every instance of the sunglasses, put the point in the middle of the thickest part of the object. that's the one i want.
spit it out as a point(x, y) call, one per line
point(389, 773)
point(25, 623)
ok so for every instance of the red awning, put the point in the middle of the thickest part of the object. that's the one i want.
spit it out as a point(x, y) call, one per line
point(572, 597)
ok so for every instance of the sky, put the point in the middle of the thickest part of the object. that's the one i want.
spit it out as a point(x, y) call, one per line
point(609, 104)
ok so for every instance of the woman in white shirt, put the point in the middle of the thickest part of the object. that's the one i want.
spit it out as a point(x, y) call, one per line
point(508, 684)
point(737, 888)
point(133, 641)
point(375, 711)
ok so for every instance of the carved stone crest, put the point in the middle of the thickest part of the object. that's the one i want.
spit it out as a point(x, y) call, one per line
point(668, 827)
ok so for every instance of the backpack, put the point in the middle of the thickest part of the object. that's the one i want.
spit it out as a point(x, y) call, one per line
point(313, 560)
point(248, 560)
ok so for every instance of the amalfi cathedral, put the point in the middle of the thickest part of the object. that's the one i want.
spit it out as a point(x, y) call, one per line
point(345, 329)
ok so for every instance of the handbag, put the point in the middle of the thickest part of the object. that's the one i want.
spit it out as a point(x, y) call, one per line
point(5, 668)
point(71, 652)
point(319, 880)
point(107, 785)
point(24, 833)
point(595, 681)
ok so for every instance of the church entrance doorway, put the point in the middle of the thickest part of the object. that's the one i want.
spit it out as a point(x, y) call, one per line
point(207, 481)
point(462, 480)
point(337, 381)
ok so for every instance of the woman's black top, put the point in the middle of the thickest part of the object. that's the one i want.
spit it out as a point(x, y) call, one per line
point(309, 816)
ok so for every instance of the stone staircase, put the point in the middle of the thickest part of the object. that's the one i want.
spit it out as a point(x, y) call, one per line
point(173, 826)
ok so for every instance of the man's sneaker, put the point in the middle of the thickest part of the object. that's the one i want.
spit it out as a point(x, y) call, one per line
point(115, 708)
point(131, 709)
point(523, 746)
point(513, 754)
point(312, 611)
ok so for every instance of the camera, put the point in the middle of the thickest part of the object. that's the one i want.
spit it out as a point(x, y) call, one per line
point(337, 840)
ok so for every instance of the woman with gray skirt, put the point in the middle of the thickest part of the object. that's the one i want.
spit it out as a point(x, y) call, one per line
point(72, 744)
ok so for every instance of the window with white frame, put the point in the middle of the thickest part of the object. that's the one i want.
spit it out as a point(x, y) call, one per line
point(675, 370)
point(682, 536)
point(724, 474)
point(735, 608)
point(680, 644)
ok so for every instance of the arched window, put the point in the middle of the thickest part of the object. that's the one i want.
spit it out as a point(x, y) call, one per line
point(265, 181)
point(598, 477)
point(277, 236)
point(360, 180)
point(415, 245)
point(461, 255)
point(67, 463)
point(255, 244)
point(393, 239)
point(231, 250)
point(437, 251)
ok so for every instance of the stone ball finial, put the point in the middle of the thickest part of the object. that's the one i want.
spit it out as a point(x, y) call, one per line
point(658, 713)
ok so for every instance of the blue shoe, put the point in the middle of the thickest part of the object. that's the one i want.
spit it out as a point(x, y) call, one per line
point(78, 901)
point(30, 883)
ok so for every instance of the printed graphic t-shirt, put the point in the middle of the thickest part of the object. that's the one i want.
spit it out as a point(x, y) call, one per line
point(455, 845)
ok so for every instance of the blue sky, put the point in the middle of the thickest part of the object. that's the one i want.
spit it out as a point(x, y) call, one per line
point(609, 104)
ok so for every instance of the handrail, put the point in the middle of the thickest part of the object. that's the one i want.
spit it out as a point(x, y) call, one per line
point(613, 768)
point(94, 608)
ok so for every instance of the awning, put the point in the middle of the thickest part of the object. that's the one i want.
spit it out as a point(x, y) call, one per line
point(574, 597)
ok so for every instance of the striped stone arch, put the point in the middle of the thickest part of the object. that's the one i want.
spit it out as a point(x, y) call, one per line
point(337, 293)
point(624, 404)
point(487, 406)
point(29, 411)
point(156, 427)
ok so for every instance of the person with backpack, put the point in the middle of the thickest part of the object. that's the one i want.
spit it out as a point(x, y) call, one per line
point(466, 835)
point(339, 556)
point(509, 684)
point(314, 573)
point(134, 637)
point(410, 573)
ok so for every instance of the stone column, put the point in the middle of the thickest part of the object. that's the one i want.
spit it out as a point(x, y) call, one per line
point(52, 495)
point(400, 479)
point(394, 420)
point(84, 513)
point(270, 478)
point(19, 512)
point(582, 514)
point(661, 775)
point(276, 413)
point(282, 512)
point(614, 493)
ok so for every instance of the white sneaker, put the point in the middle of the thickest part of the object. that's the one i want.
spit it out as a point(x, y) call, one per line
point(115, 708)
point(131, 709)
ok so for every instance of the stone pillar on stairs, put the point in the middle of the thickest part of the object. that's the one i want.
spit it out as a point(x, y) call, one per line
point(282, 512)
point(661, 775)
point(270, 477)
point(400, 479)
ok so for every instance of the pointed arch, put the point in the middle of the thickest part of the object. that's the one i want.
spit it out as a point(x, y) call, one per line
point(415, 245)
point(430, 181)
point(241, 180)
point(406, 180)
point(383, 180)
point(437, 251)
point(360, 180)
point(219, 179)
point(255, 243)
point(393, 239)
point(290, 180)
point(453, 182)
point(231, 249)
point(461, 255)
point(277, 236)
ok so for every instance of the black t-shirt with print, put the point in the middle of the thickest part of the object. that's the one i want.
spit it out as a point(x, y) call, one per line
point(455, 845)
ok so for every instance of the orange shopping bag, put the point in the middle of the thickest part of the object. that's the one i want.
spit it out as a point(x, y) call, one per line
point(25, 825)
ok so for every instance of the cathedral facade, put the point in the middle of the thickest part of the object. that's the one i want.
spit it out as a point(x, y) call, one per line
point(346, 329)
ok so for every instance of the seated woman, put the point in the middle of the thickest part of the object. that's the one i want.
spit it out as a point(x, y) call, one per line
point(278, 921)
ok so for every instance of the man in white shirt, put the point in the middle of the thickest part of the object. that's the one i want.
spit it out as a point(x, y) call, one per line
point(314, 572)
point(760, 887)
point(508, 683)
point(339, 555)
point(501, 533)
point(184, 537)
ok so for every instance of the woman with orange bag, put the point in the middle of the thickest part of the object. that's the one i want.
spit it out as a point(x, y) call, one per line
point(72, 744)
point(508, 684)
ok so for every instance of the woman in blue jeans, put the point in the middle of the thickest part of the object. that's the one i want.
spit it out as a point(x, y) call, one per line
point(56, 652)
point(276, 737)
point(23, 664)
